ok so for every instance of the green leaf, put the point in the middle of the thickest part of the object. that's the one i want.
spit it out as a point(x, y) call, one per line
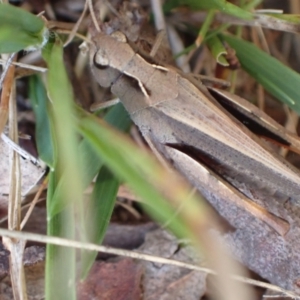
point(278, 79)
point(19, 18)
point(39, 102)
point(99, 212)
point(20, 30)
point(14, 40)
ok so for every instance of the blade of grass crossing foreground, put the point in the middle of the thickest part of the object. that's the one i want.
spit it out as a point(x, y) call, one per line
point(143, 175)
point(91, 161)
point(60, 276)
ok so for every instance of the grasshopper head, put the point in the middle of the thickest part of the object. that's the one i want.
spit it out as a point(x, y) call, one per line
point(110, 56)
point(100, 60)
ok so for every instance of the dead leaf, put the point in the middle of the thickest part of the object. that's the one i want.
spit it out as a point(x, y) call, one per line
point(31, 174)
point(120, 280)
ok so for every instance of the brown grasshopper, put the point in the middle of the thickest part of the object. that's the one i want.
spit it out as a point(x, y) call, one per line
point(179, 118)
point(232, 167)
point(196, 130)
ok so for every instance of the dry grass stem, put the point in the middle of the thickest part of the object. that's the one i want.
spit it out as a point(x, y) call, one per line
point(133, 254)
point(35, 200)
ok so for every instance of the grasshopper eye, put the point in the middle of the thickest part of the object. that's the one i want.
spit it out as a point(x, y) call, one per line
point(119, 36)
point(101, 58)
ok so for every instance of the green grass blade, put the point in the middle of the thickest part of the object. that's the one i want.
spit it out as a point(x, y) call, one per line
point(144, 176)
point(39, 102)
point(62, 109)
point(126, 169)
point(99, 212)
point(61, 264)
point(217, 50)
point(278, 79)
point(60, 269)
point(118, 117)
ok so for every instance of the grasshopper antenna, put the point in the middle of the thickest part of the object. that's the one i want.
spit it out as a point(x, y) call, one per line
point(93, 15)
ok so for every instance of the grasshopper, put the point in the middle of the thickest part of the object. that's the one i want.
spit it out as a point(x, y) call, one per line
point(201, 132)
point(179, 118)
point(196, 130)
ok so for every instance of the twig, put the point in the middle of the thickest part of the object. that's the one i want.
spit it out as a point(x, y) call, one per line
point(34, 202)
point(76, 26)
point(6, 90)
point(133, 254)
point(25, 66)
